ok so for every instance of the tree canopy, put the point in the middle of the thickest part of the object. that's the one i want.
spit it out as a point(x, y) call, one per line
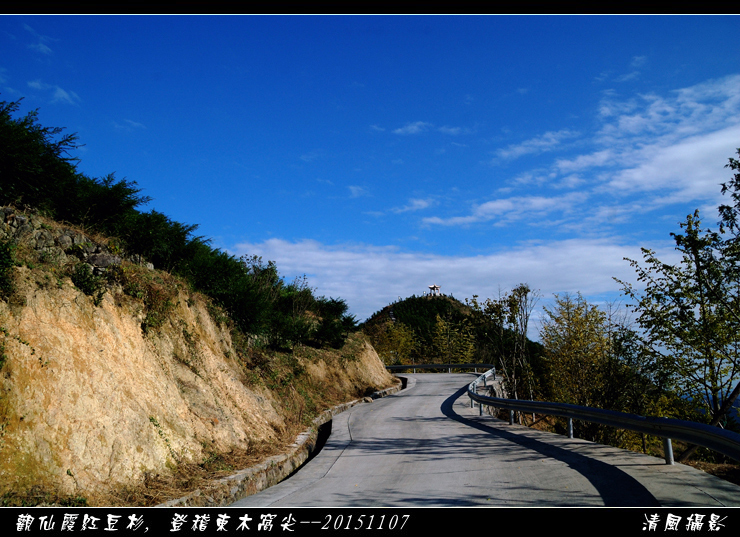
point(37, 171)
point(689, 312)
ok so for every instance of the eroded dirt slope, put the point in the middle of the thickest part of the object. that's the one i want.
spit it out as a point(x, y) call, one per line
point(90, 402)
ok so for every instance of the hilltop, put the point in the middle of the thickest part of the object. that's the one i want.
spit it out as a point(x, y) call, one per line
point(442, 329)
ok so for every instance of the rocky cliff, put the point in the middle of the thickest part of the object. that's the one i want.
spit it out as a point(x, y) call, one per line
point(94, 399)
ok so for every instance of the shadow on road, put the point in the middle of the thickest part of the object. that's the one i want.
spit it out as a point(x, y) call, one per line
point(617, 488)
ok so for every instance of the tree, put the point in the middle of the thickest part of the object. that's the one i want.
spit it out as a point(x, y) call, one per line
point(690, 312)
point(453, 342)
point(594, 359)
point(503, 324)
point(576, 340)
point(395, 343)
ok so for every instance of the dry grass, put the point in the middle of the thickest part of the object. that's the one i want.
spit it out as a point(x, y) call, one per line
point(186, 478)
point(728, 472)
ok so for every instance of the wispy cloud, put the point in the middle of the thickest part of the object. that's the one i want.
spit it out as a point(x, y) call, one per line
point(507, 210)
point(128, 125)
point(413, 128)
point(415, 204)
point(666, 149)
point(357, 191)
point(539, 144)
point(418, 127)
point(639, 61)
point(310, 156)
point(57, 94)
point(40, 46)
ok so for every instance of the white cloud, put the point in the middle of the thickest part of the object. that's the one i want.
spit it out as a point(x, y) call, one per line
point(128, 125)
point(58, 95)
point(629, 76)
point(357, 191)
point(539, 144)
point(582, 162)
point(40, 47)
point(649, 152)
point(689, 170)
point(415, 204)
point(370, 277)
point(651, 118)
point(42, 39)
point(63, 96)
point(639, 61)
point(507, 210)
point(413, 128)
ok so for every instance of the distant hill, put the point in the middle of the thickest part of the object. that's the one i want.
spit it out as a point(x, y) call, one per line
point(420, 314)
point(439, 329)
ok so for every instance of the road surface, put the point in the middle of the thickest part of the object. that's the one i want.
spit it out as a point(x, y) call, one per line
point(425, 446)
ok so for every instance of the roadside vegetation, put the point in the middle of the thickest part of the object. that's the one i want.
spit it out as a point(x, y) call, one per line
point(680, 358)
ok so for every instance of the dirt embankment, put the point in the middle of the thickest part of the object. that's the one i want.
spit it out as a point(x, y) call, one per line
point(91, 404)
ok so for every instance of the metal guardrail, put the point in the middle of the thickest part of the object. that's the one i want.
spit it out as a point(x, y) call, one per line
point(449, 367)
point(714, 438)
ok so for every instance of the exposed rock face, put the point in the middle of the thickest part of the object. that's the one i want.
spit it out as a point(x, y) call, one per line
point(84, 391)
point(60, 243)
point(89, 402)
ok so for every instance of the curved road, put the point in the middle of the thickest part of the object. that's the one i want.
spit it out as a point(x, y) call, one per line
point(425, 446)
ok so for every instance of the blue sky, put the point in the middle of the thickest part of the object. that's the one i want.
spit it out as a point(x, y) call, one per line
point(379, 155)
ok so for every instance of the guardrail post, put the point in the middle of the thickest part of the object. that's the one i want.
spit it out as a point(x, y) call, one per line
point(668, 450)
point(570, 427)
point(511, 417)
point(472, 403)
point(480, 407)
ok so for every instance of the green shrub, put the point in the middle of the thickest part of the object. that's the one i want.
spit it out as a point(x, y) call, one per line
point(36, 169)
point(87, 282)
point(7, 262)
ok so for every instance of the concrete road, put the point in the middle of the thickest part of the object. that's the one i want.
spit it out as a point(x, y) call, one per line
point(425, 446)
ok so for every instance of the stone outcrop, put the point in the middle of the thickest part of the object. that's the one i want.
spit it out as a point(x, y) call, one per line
point(59, 243)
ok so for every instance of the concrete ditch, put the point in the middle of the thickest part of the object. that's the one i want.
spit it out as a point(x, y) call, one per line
point(272, 471)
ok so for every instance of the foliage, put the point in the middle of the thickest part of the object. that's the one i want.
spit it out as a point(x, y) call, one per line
point(594, 360)
point(503, 326)
point(423, 329)
point(157, 290)
point(690, 312)
point(36, 170)
point(576, 339)
point(419, 313)
point(334, 322)
point(7, 262)
point(86, 281)
point(453, 342)
point(395, 343)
